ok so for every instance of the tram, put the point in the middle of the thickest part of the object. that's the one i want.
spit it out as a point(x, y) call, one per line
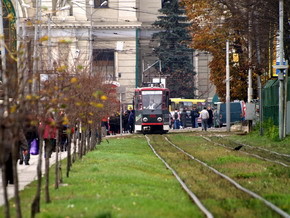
point(151, 105)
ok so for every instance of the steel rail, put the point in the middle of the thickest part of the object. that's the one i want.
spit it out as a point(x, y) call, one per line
point(253, 194)
point(189, 192)
point(263, 149)
point(254, 155)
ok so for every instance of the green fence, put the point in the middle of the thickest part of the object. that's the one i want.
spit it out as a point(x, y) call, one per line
point(270, 95)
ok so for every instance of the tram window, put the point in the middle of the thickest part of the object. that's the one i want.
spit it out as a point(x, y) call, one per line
point(152, 99)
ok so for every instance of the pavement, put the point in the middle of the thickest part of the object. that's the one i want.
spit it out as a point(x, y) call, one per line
point(27, 174)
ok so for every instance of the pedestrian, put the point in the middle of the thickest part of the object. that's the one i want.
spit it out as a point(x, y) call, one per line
point(48, 129)
point(125, 121)
point(210, 118)
point(63, 131)
point(183, 116)
point(194, 114)
point(204, 118)
point(176, 118)
point(6, 149)
point(105, 127)
point(131, 121)
point(31, 134)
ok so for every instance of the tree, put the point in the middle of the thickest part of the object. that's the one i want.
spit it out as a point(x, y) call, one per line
point(173, 50)
point(247, 24)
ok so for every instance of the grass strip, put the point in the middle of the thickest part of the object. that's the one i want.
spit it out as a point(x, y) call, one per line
point(121, 178)
point(270, 180)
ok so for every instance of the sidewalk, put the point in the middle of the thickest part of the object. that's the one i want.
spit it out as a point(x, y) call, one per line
point(27, 174)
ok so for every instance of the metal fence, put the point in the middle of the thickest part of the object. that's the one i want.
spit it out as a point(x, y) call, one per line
point(270, 95)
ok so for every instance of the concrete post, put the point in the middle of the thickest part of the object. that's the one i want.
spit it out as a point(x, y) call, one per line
point(228, 96)
point(281, 75)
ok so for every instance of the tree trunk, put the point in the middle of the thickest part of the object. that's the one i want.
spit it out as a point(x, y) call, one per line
point(99, 131)
point(35, 206)
point(47, 198)
point(56, 180)
point(4, 181)
point(68, 160)
point(76, 135)
point(15, 152)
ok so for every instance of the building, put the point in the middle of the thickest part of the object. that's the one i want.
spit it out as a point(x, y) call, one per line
point(110, 37)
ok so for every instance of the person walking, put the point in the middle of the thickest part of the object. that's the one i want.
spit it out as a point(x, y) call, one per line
point(31, 134)
point(210, 118)
point(176, 118)
point(125, 121)
point(49, 130)
point(204, 118)
point(183, 116)
point(131, 121)
point(194, 114)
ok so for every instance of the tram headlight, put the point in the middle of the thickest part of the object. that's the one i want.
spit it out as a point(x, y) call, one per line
point(159, 119)
point(145, 119)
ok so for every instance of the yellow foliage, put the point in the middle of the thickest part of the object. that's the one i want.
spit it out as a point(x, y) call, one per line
point(54, 100)
point(28, 97)
point(13, 108)
point(33, 123)
point(103, 97)
point(65, 121)
point(73, 80)
point(78, 103)
point(64, 41)
point(29, 23)
point(90, 121)
point(61, 68)
point(43, 38)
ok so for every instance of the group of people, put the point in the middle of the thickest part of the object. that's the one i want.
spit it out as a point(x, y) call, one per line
point(111, 125)
point(28, 134)
point(179, 118)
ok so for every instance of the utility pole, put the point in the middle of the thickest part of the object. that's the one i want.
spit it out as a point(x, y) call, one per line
point(281, 74)
point(91, 3)
point(35, 46)
point(250, 74)
point(260, 104)
point(286, 130)
point(228, 95)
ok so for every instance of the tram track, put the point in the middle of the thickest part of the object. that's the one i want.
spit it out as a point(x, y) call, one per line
point(160, 152)
point(247, 153)
point(263, 154)
point(184, 186)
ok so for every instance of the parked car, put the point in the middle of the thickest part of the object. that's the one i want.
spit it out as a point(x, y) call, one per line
point(237, 111)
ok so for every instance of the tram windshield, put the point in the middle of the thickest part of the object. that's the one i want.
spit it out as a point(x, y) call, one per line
point(152, 99)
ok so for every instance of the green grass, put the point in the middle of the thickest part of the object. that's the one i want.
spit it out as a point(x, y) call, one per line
point(255, 139)
point(265, 178)
point(121, 178)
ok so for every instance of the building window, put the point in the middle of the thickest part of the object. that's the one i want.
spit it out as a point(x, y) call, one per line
point(103, 63)
point(101, 3)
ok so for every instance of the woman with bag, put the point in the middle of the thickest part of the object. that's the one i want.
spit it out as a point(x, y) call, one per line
point(31, 135)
